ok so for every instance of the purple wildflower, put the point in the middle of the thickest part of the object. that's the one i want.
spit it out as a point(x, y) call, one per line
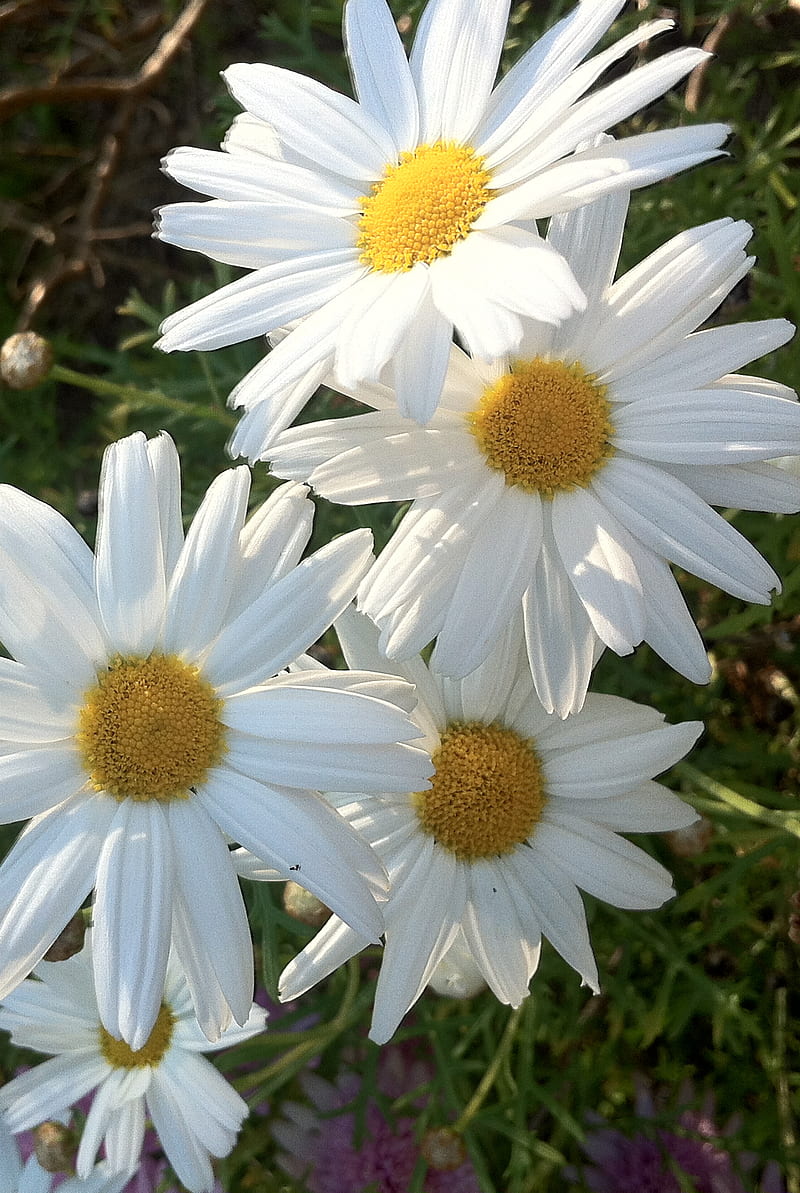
point(320, 1139)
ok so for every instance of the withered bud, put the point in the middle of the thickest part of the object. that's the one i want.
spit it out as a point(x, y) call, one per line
point(692, 840)
point(56, 1147)
point(69, 941)
point(301, 905)
point(26, 359)
point(443, 1149)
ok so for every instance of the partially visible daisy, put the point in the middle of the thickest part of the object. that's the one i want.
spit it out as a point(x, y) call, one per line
point(524, 809)
point(563, 480)
point(148, 721)
point(393, 220)
point(194, 1110)
point(27, 1176)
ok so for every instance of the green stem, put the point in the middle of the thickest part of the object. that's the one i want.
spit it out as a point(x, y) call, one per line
point(262, 1083)
point(139, 398)
point(490, 1076)
point(737, 802)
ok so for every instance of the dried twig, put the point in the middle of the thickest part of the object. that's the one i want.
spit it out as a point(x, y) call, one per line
point(694, 87)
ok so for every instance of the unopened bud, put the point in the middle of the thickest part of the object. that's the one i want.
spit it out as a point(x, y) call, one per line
point(443, 1149)
point(457, 975)
point(69, 941)
point(55, 1146)
point(301, 905)
point(26, 359)
point(694, 839)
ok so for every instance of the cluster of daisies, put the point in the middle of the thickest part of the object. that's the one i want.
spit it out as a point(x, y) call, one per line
point(561, 435)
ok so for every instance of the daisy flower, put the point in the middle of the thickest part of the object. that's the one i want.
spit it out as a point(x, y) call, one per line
point(524, 809)
point(391, 220)
point(563, 479)
point(147, 721)
point(194, 1110)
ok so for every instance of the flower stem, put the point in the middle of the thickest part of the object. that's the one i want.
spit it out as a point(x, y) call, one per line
point(490, 1076)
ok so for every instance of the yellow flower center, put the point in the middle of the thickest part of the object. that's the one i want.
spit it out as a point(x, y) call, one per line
point(487, 793)
point(422, 206)
point(121, 1056)
point(150, 729)
point(545, 425)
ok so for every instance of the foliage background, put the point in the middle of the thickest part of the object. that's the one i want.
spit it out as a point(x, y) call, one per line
point(97, 91)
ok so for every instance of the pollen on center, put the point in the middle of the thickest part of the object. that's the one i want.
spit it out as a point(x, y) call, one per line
point(121, 1056)
point(422, 206)
point(150, 728)
point(487, 793)
point(545, 425)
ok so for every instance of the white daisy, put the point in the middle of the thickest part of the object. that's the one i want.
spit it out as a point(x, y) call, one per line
point(147, 721)
point(193, 1108)
point(391, 220)
point(523, 810)
point(561, 480)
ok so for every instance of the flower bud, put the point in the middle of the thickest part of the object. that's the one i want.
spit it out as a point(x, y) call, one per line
point(443, 1149)
point(26, 359)
point(55, 1147)
point(301, 905)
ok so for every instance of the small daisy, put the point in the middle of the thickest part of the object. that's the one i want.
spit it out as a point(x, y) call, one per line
point(564, 479)
point(524, 809)
point(194, 1110)
point(391, 220)
point(148, 721)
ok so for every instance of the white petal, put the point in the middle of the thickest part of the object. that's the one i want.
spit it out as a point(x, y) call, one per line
point(381, 76)
point(213, 1109)
point(493, 578)
point(326, 128)
point(261, 301)
point(183, 1149)
point(598, 555)
point(289, 616)
point(422, 919)
point(300, 834)
point(589, 239)
point(670, 628)
point(34, 780)
point(333, 945)
point(47, 1090)
point(124, 1137)
point(132, 918)
point(742, 486)
point(206, 572)
point(111, 1096)
point(603, 718)
point(559, 636)
point(619, 165)
point(494, 933)
point(420, 361)
point(707, 355)
point(48, 609)
point(708, 426)
point(454, 63)
point(129, 562)
point(650, 808)
point(166, 466)
point(235, 176)
point(64, 842)
point(383, 310)
point(272, 542)
point(558, 908)
point(600, 862)
point(670, 519)
point(602, 769)
point(212, 903)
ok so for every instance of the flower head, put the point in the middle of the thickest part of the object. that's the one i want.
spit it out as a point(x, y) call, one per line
point(148, 720)
point(660, 1160)
point(563, 479)
point(194, 1110)
point(523, 810)
point(386, 223)
point(324, 1149)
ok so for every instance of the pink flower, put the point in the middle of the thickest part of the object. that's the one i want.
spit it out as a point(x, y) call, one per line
point(320, 1138)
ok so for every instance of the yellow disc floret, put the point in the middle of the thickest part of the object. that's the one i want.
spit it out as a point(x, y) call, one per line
point(150, 728)
point(487, 793)
point(422, 206)
point(120, 1056)
point(545, 425)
